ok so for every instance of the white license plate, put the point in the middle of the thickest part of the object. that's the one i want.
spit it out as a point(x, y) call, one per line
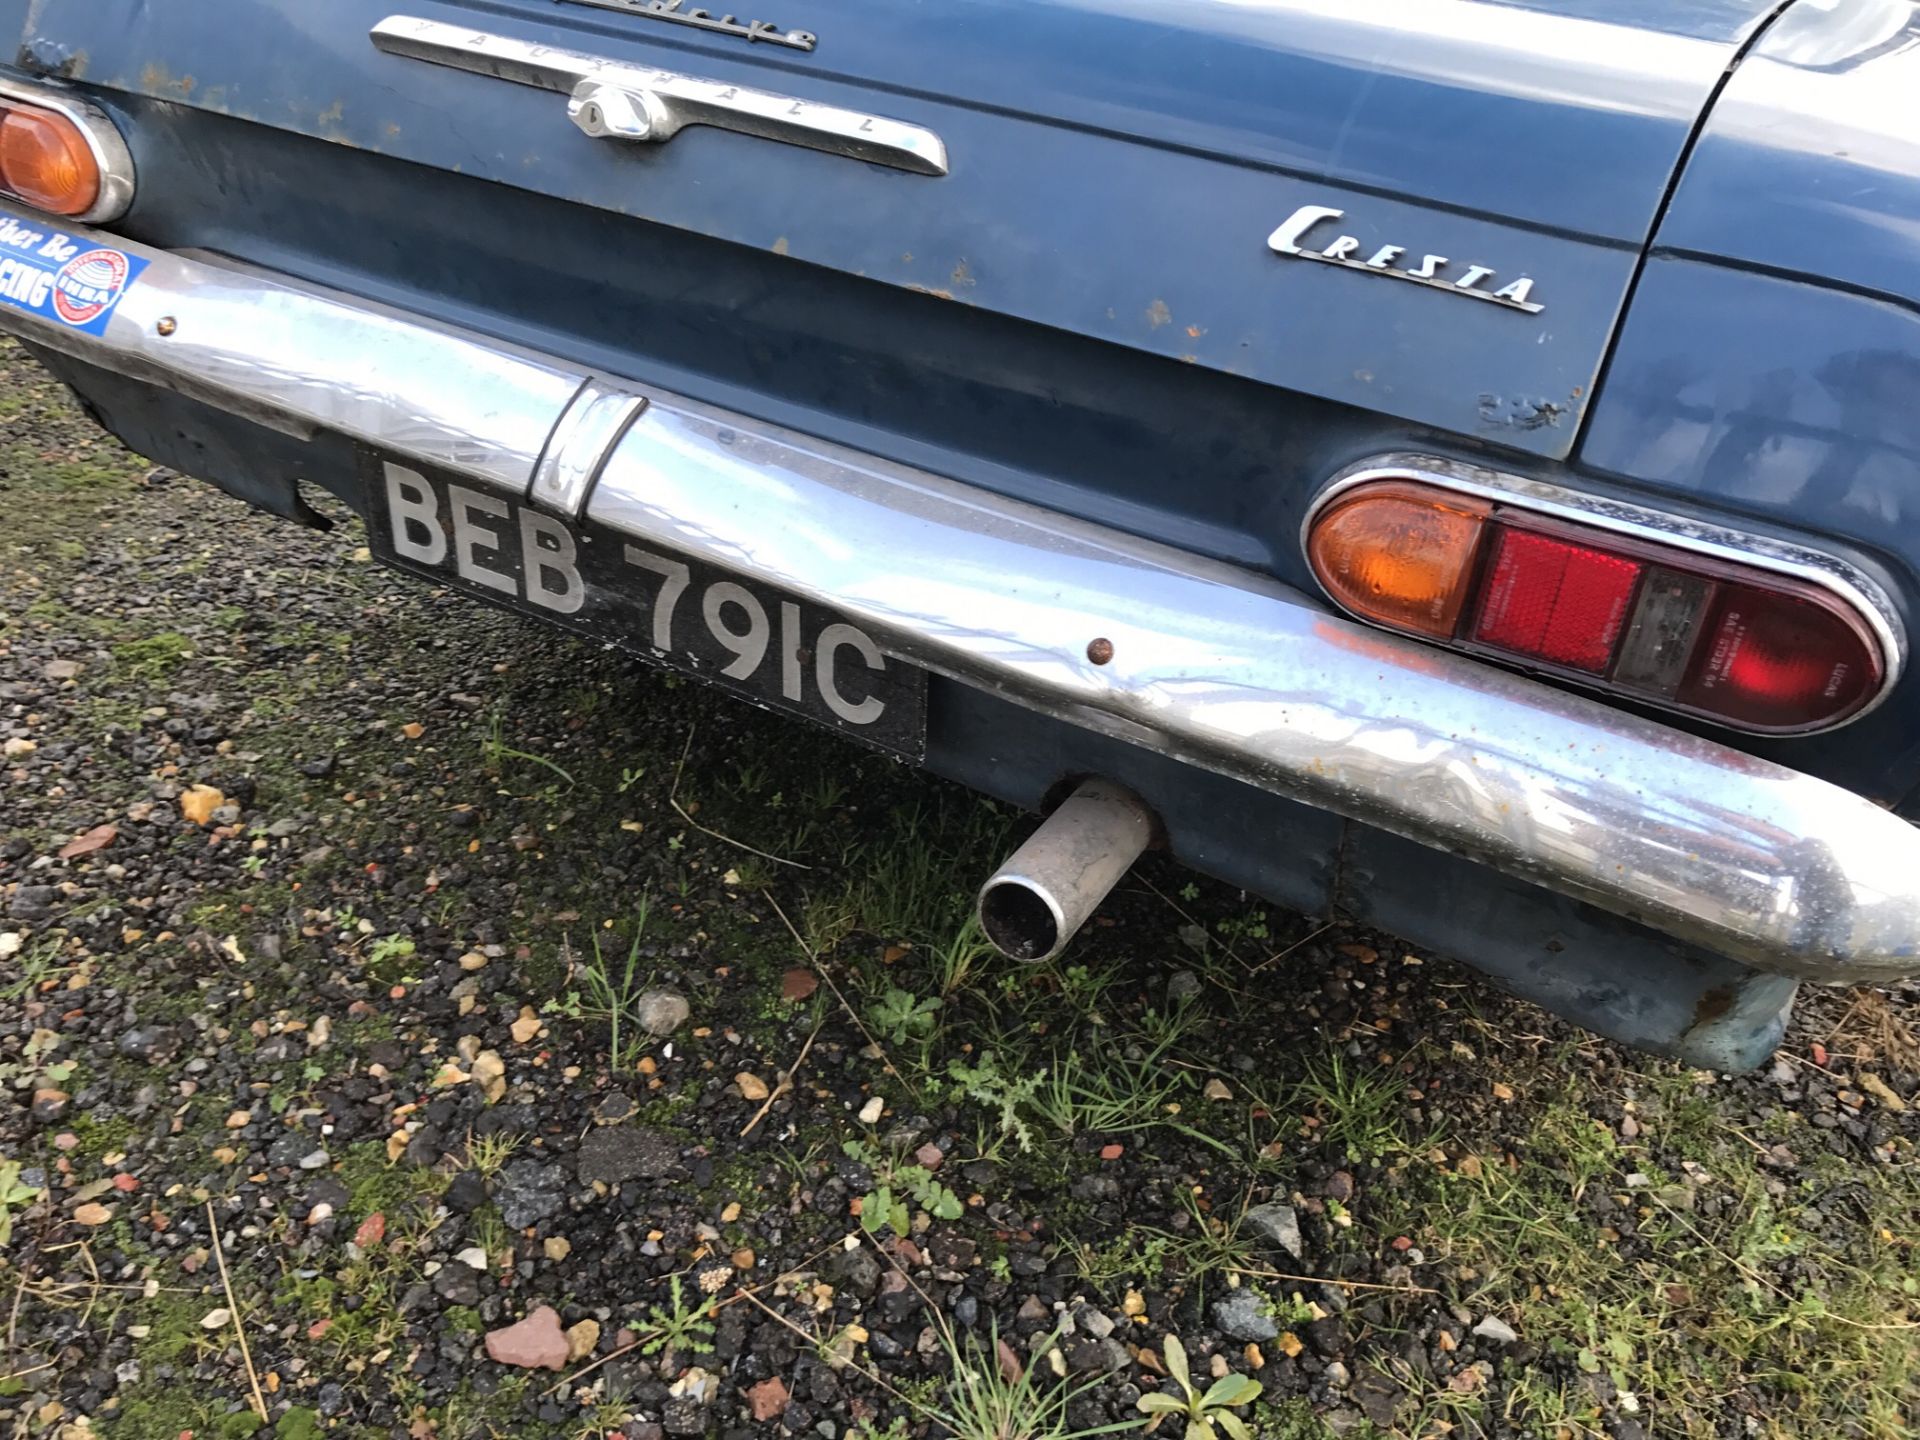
point(744, 636)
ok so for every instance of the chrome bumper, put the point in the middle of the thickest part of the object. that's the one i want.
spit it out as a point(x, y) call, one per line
point(1217, 666)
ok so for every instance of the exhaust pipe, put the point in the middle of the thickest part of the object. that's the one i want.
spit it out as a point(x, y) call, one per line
point(1035, 903)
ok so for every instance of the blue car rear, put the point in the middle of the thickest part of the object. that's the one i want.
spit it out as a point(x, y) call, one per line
point(974, 379)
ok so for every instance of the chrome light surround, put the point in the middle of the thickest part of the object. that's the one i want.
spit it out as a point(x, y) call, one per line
point(1846, 582)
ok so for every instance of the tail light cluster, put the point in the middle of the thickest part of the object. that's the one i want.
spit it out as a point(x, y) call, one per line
point(62, 156)
point(1645, 614)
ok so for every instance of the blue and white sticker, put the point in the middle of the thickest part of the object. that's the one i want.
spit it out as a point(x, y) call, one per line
point(61, 278)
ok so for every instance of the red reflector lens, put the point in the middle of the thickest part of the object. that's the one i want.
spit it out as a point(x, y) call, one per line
point(1549, 600)
point(1774, 661)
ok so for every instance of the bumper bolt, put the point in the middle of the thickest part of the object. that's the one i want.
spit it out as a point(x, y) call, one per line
point(166, 325)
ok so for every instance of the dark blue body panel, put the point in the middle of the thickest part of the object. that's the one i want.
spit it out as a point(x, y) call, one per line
point(1185, 130)
point(1810, 161)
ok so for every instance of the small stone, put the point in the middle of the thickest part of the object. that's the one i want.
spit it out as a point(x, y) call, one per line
point(33, 903)
point(871, 1112)
point(556, 1248)
point(684, 1416)
point(50, 1105)
point(473, 1257)
point(769, 1399)
point(1497, 1330)
point(1097, 1357)
point(537, 1342)
point(92, 1213)
point(465, 1193)
point(86, 843)
point(752, 1087)
point(17, 747)
point(1182, 985)
point(239, 1119)
point(1241, 1317)
point(489, 1072)
point(661, 1012)
point(526, 1027)
point(457, 1285)
point(473, 960)
point(611, 1154)
point(198, 803)
point(856, 1270)
point(58, 670)
point(582, 1339)
point(528, 1192)
point(1217, 1089)
point(1276, 1226)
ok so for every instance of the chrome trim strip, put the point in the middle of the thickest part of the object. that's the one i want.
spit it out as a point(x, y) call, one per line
point(1215, 666)
point(758, 31)
point(303, 361)
point(595, 419)
point(103, 138)
point(1845, 581)
point(658, 104)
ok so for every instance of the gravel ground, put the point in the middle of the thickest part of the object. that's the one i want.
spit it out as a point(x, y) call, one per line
point(416, 1024)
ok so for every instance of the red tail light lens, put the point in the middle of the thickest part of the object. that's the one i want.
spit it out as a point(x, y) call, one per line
point(1768, 660)
point(1746, 645)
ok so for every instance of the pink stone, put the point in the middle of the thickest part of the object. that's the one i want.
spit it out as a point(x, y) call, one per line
point(536, 1342)
point(769, 1399)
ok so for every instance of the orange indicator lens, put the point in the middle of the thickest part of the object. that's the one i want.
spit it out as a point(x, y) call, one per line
point(46, 161)
point(1395, 554)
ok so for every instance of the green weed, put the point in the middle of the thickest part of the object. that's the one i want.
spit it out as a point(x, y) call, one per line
point(1208, 1412)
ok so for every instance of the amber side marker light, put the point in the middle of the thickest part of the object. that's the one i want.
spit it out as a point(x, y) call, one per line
point(1740, 644)
point(46, 161)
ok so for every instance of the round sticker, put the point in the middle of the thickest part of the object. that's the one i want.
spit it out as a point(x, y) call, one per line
point(88, 284)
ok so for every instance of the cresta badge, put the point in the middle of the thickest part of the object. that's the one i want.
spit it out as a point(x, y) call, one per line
point(1474, 281)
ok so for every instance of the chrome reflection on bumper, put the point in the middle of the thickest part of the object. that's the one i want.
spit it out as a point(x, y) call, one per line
point(1225, 669)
